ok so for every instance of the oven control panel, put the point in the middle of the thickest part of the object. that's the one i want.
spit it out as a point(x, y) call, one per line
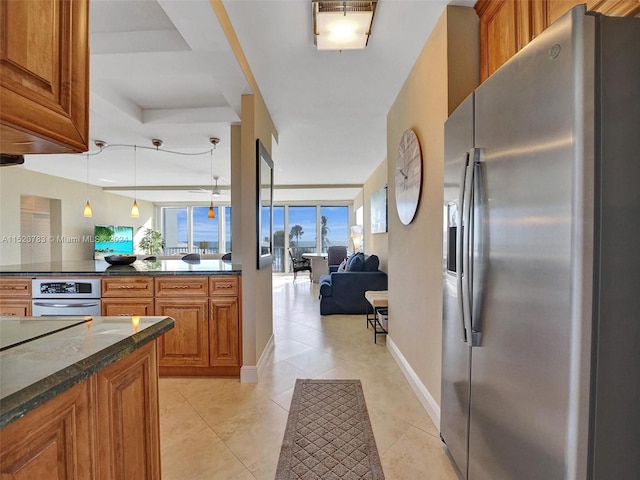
point(67, 288)
point(63, 288)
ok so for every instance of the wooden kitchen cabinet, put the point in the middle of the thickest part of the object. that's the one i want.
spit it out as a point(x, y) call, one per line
point(15, 296)
point(224, 332)
point(53, 441)
point(182, 286)
point(44, 76)
point(104, 427)
point(15, 308)
point(187, 344)
point(128, 443)
point(127, 287)
point(206, 339)
point(500, 33)
point(127, 296)
point(15, 287)
point(126, 307)
point(508, 25)
point(224, 321)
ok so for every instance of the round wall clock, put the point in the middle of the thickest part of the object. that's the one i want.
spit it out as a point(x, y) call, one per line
point(408, 176)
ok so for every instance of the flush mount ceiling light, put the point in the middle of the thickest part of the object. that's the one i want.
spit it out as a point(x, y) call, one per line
point(342, 25)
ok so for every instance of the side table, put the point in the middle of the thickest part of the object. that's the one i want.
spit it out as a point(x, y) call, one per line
point(319, 265)
point(379, 300)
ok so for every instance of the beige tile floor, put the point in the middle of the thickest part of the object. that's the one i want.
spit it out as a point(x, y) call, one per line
point(213, 428)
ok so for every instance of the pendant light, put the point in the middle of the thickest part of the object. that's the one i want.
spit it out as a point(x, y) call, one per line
point(134, 208)
point(87, 208)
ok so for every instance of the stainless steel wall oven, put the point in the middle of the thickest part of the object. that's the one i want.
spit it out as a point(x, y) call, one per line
point(68, 297)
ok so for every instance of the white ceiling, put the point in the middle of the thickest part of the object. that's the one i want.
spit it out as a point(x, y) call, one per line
point(164, 69)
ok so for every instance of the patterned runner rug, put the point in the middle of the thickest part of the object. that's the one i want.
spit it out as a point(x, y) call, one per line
point(328, 434)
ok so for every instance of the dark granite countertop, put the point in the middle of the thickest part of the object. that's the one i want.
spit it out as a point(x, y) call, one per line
point(50, 355)
point(139, 267)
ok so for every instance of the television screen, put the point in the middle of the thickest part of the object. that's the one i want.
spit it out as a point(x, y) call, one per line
point(112, 240)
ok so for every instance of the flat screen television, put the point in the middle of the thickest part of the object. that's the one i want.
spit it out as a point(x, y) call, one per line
point(112, 240)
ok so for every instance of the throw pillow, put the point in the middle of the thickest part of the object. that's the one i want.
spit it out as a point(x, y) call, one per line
point(343, 266)
point(371, 263)
point(356, 264)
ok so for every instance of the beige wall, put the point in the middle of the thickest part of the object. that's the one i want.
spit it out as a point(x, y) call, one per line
point(107, 209)
point(375, 243)
point(443, 75)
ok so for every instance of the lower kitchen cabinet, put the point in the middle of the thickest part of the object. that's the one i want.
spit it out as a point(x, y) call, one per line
point(18, 308)
point(224, 332)
point(15, 297)
point(127, 307)
point(104, 427)
point(51, 438)
point(187, 344)
point(128, 443)
point(206, 339)
point(127, 296)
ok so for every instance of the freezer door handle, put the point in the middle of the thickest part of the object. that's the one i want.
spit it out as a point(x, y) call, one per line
point(460, 252)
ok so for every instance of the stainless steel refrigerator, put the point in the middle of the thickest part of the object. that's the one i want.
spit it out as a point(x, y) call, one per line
point(541, 333)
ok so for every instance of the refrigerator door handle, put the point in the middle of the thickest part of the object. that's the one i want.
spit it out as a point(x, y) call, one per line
point(467, 260)
point(476, 245)
point(460, 233)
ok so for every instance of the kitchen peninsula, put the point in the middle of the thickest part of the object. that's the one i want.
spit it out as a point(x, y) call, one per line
point(204, 297)
point(68, 388)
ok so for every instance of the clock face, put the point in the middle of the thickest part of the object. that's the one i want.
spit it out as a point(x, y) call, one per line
point(408, 176)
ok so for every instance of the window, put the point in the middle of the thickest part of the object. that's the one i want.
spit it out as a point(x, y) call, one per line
point(302, 230)
point(279, 256)
point(175, 230)
point(205, 238)
point(187, 229)
point(334, 226)
point(307, 229)
point(227, 230)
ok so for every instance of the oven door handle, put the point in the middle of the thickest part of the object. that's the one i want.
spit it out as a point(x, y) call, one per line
point(66, 305)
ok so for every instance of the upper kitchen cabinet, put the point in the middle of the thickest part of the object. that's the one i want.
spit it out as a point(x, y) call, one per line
point(44, 76)
point(508, 25)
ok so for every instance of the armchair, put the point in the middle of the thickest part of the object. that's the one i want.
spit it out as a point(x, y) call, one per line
point(299, 264)
point(335, 255)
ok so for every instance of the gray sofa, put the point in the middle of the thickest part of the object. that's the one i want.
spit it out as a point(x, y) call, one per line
point(343, 292)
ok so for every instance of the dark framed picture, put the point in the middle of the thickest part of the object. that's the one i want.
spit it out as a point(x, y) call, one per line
point(379, 210)
point(264, 205)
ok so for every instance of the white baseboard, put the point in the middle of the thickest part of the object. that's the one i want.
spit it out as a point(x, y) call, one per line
point(424, 396)
point(251, 373)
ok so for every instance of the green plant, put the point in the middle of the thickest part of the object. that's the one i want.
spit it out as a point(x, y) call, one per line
point(151, 242)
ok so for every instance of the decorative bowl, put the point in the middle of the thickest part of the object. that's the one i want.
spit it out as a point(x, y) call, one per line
point(120, 259)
